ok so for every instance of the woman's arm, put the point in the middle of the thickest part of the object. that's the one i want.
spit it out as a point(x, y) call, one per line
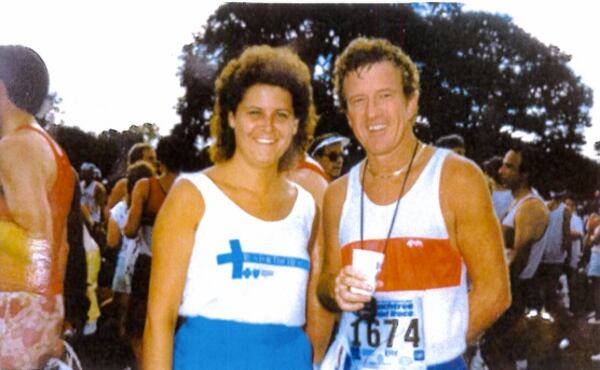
point(172, 243)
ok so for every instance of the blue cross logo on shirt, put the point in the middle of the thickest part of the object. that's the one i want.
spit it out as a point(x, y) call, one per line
point(237, 258)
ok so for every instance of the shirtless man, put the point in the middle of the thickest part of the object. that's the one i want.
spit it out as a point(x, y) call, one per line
point(36, 187)
point(407, 201)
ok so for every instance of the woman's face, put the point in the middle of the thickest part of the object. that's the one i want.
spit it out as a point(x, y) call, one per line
point(264, 124)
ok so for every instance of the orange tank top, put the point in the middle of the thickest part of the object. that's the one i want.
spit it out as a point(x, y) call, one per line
point(310, 164)
point(59, 199)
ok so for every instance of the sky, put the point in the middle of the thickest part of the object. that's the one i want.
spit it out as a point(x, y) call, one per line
point(114, 63)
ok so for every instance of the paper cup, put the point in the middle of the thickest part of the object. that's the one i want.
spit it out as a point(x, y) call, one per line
point(368, 263)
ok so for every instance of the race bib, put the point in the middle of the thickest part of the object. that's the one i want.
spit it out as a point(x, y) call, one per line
point(393, 339)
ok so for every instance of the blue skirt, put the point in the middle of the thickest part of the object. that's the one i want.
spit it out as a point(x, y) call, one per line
point(202, 343)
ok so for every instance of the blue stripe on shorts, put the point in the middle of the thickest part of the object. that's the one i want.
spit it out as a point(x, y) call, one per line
point(202, 343)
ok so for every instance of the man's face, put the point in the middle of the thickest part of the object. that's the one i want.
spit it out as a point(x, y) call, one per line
point(510, 173)
point(377, 109)
point(332, 159)
point(87, 175)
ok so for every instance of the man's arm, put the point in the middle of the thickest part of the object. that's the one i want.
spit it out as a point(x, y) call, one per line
point(475, 231)
point(530, 224)
point(134, 216)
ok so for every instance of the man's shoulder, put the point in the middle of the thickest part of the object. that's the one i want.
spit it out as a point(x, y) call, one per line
point(460, 174)
point(534, 209)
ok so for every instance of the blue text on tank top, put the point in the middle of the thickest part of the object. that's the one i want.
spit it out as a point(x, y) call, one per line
point(238, 257)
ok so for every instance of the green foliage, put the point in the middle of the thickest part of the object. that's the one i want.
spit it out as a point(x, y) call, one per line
point(482, 76)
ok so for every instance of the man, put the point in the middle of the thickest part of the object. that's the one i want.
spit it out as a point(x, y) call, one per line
point(93, 195)
point(407, 201)
point(573, 274)
point(558, 245)
point(524, 227)
point(501, 196)
point(36, 187)
point(454, 142)
point(328, 150)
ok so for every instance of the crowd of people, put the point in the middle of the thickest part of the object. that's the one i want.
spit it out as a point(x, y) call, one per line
point(280, 255)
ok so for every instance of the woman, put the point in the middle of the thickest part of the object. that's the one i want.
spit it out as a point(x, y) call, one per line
point(231, 244)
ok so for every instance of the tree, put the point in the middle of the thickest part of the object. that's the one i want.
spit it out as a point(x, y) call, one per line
point(481, 75)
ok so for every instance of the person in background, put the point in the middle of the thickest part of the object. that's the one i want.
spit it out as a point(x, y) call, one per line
point(501, 195)
point(454, 142)
point(328, 150)
point(129, 247)
point(505, 344)
point(244, 232)
point(138, 152)
point(576, 305)
point(147, 197)
point(77, 304)
point(36, 190)
point(93, 195)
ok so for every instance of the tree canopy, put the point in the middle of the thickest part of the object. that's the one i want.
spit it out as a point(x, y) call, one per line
point(482, 76)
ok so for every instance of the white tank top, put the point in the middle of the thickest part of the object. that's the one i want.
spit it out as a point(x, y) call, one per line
point(419, 261)
point(246, 269)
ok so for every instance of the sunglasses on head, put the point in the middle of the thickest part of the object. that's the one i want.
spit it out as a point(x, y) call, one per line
point(333, 156)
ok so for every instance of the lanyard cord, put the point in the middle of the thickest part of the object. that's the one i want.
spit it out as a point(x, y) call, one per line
point(362, 196)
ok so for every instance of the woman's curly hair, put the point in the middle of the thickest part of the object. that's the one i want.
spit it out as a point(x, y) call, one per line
point(268, 65)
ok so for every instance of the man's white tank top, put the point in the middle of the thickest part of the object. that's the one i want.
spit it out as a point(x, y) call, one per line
point(245, 269)
point(537, 249)
point(419, 261)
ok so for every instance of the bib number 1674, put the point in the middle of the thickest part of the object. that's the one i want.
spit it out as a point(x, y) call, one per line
point(388, 331)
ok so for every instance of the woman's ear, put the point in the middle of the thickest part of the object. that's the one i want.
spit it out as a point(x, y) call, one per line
point(231, 120)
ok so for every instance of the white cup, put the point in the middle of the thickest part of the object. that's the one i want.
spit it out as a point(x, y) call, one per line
point(369, 263)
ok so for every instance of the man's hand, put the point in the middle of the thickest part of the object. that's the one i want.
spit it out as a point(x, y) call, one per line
point(348, 278)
